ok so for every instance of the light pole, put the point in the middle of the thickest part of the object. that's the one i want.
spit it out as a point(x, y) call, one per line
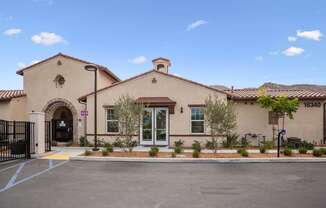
point(93, 68)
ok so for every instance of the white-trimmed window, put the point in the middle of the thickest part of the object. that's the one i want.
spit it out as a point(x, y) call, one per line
point(112, 123)
point(197, 120)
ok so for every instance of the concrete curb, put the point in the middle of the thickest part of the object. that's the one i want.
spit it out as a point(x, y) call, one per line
point(200, 160)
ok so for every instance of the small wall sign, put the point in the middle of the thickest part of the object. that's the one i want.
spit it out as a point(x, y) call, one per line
point(84, 113)
point(312, 104)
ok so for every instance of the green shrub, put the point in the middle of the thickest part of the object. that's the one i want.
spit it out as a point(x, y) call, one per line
point(302, 150)
point(179, 143)
point(211, 144)
point(267, 144)
point(323, 151)
point(231, 140)
point(83, 142)
point(287, 152)
point(244, 142)
point(87, 153)
point(195, 153)
point(130, 144)
point(100, 143)
point(243, 152)
point(239, 151)
point(109, 147)
point(173, 154)
point(296, 143)
point(196, 146)
point(105, 153)
point(317, 153)
point(262, 149)
point(153, 151)
point(125, 144)
point(308, 145)
point(118, 143)
point(178, 149)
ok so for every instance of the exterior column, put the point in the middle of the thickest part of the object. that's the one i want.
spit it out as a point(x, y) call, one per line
point(38, 118)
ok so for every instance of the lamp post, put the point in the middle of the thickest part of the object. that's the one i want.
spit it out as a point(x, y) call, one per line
point(93, 68)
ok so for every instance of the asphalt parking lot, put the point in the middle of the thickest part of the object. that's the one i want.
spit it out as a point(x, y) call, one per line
point(55, 183)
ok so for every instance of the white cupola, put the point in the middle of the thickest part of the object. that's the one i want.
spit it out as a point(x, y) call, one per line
point(161, 64)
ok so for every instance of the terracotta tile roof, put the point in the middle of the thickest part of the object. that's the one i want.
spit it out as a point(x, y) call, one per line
point(9, 94)
point(253, 93)
point(102, 68)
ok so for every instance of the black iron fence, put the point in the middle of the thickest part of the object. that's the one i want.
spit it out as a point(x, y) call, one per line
point(16, 140)
point(48, 135)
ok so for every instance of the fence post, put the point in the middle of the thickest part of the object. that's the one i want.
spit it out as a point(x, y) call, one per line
point(50, 135)
point(28, 139)
point(38, 118)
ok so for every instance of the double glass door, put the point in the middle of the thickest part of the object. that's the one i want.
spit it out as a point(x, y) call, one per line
point(154, 127)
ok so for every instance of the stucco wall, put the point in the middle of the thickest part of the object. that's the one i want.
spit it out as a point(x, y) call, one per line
point(14, 110)
point(4, 110)
point(183, 93)
point(41, 88)
point(307, 123)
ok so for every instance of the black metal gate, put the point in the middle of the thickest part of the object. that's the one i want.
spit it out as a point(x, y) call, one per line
point(16, 140)
point(48, 135)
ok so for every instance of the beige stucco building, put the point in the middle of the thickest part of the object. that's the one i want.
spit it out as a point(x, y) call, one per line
point(63, 90)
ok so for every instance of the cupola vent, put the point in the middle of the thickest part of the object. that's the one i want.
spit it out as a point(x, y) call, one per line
point(161, 64)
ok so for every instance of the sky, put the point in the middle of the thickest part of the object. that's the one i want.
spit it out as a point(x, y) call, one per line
point(231, 43)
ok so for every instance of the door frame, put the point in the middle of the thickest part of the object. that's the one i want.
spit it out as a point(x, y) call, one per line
point(154, 140)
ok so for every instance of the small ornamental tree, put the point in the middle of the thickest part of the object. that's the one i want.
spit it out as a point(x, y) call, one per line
point(128, 112)
point(220, 118)
point(280, 106)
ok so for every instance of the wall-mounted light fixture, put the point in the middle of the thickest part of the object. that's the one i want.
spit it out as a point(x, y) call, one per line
point(181, 109)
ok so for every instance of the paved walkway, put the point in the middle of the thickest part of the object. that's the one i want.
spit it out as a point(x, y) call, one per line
point(64, 153)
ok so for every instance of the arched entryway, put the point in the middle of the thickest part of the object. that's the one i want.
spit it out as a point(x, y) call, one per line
point(62, 125)
point(63, 116)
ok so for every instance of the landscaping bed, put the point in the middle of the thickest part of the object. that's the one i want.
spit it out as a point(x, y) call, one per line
point(189, 155)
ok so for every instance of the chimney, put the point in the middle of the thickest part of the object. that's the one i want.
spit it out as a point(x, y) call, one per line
point(161, 64)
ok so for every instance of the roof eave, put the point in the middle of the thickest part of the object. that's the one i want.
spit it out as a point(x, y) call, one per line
point(104, 69)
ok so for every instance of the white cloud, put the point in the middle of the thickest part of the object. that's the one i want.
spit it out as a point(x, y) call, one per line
point(196, 24)
point(293, 51)
point(312, 35)
point(12, 31)
point(273, 53)
point(138, 60)
point(292, 39)
point(259, 58)
point(23, 65)
point(47, 39)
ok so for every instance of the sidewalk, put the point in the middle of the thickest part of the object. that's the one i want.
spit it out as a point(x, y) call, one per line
point(62, 153)
point(74, 153)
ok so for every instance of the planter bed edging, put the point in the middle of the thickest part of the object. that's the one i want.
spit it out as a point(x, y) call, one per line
point(201, 160)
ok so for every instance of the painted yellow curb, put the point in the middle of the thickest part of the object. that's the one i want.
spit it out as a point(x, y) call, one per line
point(58, 156)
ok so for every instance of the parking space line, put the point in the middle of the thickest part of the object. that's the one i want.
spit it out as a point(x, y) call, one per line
point(50, 163)
point(14, 177)
point(7, 168)
point(32, 176)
